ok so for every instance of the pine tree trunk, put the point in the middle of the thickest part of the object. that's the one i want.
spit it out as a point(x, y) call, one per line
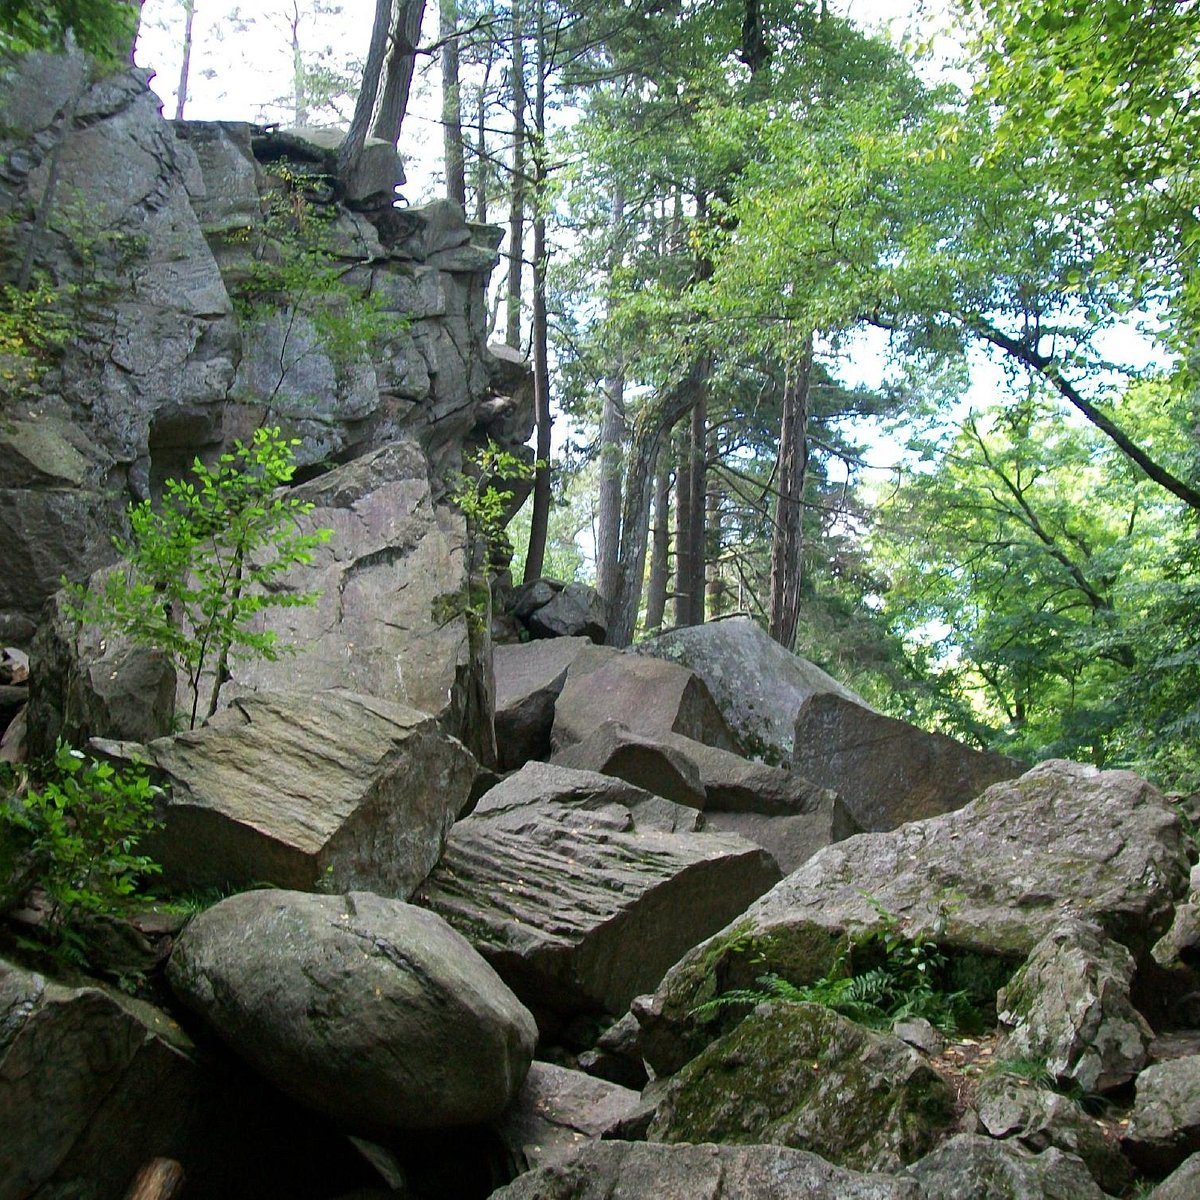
point(715, 580)
point(516, 215)
point(787, 540)
point(398, 70)
point(452, 136)
point(185, 67)
point(698, 448)
point(683, 526)
point(660, 548)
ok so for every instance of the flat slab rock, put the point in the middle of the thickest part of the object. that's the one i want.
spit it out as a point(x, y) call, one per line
point(371, 1011)
point(558, 1111)
point(580, 910)
point(335, 789)
point(887, 771)
point(1164, 1127)
point(993, 878)
point(640, 1171)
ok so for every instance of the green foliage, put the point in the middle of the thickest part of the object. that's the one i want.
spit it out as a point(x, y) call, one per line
point(203, 565)
point(34, 326)
point(104, 28)
point(876, 978)
point(86, 819)
point(480, 495)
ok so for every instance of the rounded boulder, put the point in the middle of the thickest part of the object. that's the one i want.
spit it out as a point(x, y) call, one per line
point(369, 1010)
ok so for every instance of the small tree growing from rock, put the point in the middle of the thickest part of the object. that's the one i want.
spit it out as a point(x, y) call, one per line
point(200, 567)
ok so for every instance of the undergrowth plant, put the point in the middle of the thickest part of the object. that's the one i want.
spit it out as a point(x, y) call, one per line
point(84, 820)
point(201, 565)
point(877, 976)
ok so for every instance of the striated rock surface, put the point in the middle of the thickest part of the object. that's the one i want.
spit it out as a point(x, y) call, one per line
point(333, 790)
point(579, 910)
point(757, 684)
point(637, 1169)
point(992, 879)
point(1069, 1005)
point(983, 1169)
point(368, 1010)
point(887, 771)
point(800, 1075)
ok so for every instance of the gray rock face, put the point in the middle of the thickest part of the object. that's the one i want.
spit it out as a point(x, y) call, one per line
point(391, 580)
point(335, 789)
point(576, 611)
point(636, 1169)
point(993, 878)
point(887, 771)
point(578, 910)
point(757, 684)
point(368, 1010)
point(983, 1169)
point(613, 749)
point(1070, 1005)
point(558, 1111)
point(90, 1087)
point(1038, 1119)
point(529, 678)
point(800, 1075)
point(84, 685)
point(647, 695)
point(1164, 1127)
point(1182, 1184)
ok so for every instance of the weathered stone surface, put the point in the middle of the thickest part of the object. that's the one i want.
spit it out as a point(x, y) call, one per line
point(585, 798)
point(333, 789)
point(558, 1111)
point(579, 911)
point(529, 678)
point(888, 771)
point(87, 685)
point(993, 878)
point(636, 1169)
point(369, 1010)
point(801, 1075)
point(389, 619)
point(91, 1085)
point(614, 749)
point(576, 611)
point(1182, 1184)
point(757, 684)
point(983, 1169)
point(1164, 1127)
point(1069, 1004)
point(648, 695)
point(616, 1057)
point(1038, 1118)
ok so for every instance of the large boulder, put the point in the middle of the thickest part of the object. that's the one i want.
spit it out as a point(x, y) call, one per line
point(368, 1010)
point(647, 695)
point(983, 1169)
point(91, 1086)
point(574, 611)
point(800, 1075)
point(392, 616)
point(1164, 1127)
point(334, 790)
point(637, 1169)
point(988, 882)
point(1182, 1184)
point(888, 771)
point(529, 677)
point(757, 684)
point(578, 909)
point(1069, 1005)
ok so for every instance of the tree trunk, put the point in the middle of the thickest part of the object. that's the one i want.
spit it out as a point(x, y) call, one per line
point(481, 147)
point(398, 70)
point(612, 428)
point(299, 82)
point(655, 420)
point(660, 549)
point(683, 526)
point(189, 13)
point(787, 539)
point(159, 1179)
point(452, 137)
point(698, 449)
point(350, 150)
point(516, 214)
point(539, 518)
point(715, 581)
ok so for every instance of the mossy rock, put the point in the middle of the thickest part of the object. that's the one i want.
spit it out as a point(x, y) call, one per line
point(800, 1075)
